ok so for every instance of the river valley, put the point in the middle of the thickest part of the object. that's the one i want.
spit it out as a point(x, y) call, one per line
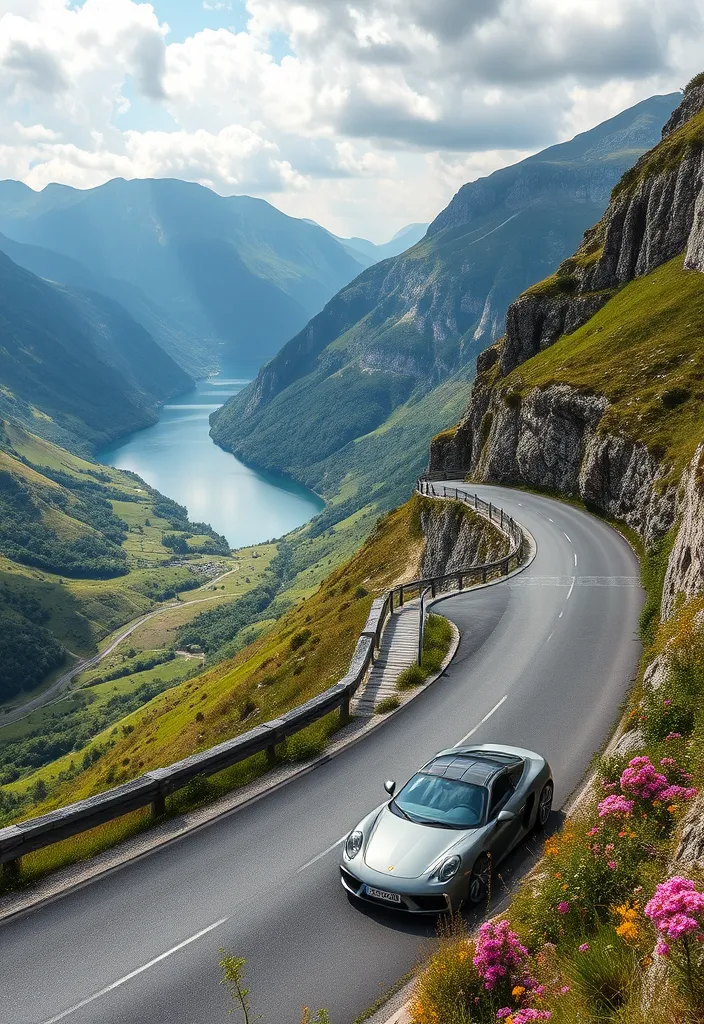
point(178, 457)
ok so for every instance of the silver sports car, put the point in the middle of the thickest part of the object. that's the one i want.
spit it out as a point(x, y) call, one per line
point(432, 847)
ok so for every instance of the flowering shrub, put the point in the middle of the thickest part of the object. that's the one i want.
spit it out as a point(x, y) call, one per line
point(500, 958)
point(615, 804)
point(628, 928)
point(677, 911)
point(677, 908)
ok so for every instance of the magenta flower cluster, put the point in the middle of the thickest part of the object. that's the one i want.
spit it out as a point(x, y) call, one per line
point(642, 780)
point(615, 804)
point(499, 956)
point(525, 1016)
point(676, 910)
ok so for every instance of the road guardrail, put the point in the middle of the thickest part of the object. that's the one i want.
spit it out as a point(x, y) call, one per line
point(152, 788)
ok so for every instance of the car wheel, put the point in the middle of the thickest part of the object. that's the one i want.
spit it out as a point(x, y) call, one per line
point(479, 881)
point(544, 805)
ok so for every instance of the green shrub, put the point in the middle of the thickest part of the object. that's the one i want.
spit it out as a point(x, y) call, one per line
point(299, 639)
point(410, 677)
point(386, 705)
point(693, 83)
point(605, 973)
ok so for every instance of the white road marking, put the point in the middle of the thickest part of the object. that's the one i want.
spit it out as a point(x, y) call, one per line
point(575, 559)
point(561, 614)
point(567, 535)
point(484, 719)
point(550, 520)
point(133, 974)
point(321, 855)
point(550, 637)
point(569, 592)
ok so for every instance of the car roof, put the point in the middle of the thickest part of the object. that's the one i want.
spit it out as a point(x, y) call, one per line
point(477, 767)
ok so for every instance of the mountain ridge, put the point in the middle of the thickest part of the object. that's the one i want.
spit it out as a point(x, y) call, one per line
point(74, 366)
point(228, 277)
point(412, 322)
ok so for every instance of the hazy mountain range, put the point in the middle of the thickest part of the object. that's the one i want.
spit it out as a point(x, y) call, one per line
point(348, 404)
point(211, 278)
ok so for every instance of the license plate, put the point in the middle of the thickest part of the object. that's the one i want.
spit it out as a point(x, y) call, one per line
point(381, 894)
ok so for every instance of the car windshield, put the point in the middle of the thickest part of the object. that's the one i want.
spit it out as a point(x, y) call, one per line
point(434, 800)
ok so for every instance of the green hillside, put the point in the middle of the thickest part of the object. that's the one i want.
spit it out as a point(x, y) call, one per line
point(212, 278)
point(74, 366)
point(374, 357)
point(643, 351)
point(83, 549)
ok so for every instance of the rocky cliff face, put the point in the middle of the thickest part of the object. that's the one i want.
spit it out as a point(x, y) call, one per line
point(456, 538)
point(656, 212)
point(552, 436)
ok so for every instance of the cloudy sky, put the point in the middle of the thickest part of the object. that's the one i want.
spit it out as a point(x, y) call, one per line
point(363, 115)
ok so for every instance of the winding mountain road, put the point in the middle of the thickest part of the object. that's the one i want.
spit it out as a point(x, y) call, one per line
point(544, 662)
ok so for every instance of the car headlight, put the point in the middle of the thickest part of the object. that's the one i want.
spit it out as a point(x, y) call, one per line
point(354, 844)
point(448, 869)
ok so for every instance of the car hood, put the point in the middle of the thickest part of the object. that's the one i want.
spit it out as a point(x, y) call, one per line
point(403, 849)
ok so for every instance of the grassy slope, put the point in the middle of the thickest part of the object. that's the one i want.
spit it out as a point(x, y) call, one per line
point(267, 678)
point(82, 612)
point(643, 351)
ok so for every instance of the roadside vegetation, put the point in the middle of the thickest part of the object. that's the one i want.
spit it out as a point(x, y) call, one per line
point(608, 928)
point(436, 643)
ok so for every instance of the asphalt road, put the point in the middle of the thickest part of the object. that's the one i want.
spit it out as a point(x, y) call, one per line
point(544, 662)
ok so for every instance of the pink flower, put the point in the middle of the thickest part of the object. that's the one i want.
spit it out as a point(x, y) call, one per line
point(499, 954)
point(564, 990)
point(615, 804)
point(608, 848)
point(594, 831)
point(505, 1011)
point(666, 703)
point(673, 736)
point(640, 779)
point(584, 947)
point(662, 949)
point(611, 864)
point(677, 793)
point(676, 908)
point(563, 907)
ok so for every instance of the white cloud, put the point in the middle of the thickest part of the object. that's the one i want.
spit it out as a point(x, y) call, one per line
point(380, 110)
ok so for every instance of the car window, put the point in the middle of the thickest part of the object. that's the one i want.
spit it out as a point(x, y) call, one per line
point(515, 775)
point(434, 800)
point(500, 792)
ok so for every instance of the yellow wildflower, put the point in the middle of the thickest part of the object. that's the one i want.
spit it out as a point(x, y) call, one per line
point(628, 930)
point(518, 991)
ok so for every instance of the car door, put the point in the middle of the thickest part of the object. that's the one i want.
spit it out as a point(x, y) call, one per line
point(503, 797)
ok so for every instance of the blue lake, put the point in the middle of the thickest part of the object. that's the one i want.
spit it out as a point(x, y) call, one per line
point(178, 457)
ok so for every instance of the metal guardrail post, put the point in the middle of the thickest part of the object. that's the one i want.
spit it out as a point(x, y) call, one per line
point(11, 868)
point(158, 805)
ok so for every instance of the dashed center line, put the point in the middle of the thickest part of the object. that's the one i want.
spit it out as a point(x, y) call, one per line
point(320, 856)
point(484, 719)
point(133, 974)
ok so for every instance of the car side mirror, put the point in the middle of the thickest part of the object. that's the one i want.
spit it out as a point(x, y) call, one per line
point(504, 817)
point(390, 787)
